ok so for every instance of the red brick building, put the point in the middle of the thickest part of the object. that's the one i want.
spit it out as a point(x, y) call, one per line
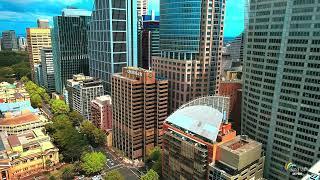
point(101, 113)
point(233, 89)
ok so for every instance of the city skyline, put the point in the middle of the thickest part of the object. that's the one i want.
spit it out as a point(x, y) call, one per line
point(14, 15)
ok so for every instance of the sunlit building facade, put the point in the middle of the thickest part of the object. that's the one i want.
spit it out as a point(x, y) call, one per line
point(113, 38)
point(281, 87)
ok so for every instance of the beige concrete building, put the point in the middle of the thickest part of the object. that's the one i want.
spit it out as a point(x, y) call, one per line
point(26, 154)
point(238, 159)
point(36, 39)
point(10, 93)
point(139, 110)
point(190, 57)
point(21, 123)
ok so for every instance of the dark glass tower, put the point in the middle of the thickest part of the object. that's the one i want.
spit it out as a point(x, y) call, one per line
point(70, 45)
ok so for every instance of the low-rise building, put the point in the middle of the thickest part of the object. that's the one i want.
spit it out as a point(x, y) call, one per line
point(19, 124)
point(26, 154)
point(240, 158)
point(12, 93)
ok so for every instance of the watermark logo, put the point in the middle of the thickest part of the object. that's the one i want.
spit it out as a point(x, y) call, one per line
point(294, 170)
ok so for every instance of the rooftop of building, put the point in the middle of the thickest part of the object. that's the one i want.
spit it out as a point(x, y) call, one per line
point(202, 120)
point(33, 142)
point(21, 119)
point(17, 107)
point(240, 144)
point(103, 99)
point(43, 20)
point(81, 79)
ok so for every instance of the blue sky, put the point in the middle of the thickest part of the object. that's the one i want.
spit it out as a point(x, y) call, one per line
point(20, 14)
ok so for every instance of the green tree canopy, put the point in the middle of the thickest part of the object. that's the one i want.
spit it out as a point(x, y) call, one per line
point(31, 87)
point(46, 97)
point(96, 136)
point(93, 162)
point(24, 79)
point(22, 69)
point(36, 100)
point(59, 107)
point(67, 172)
point(76, 118)
point(154, 160)
point(113, 175)
point(41, 91)
point(70, 142)
point(151, 175)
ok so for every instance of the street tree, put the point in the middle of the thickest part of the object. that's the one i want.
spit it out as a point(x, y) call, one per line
point(95, 136)
point(113, 175)
point(36, 100)
point(59, 107)
point(154, 160)
point(151, 175)
point(24, 79)
point(76, 118)
point(93, 162)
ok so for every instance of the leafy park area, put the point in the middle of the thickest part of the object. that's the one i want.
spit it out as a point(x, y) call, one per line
point(14, 65)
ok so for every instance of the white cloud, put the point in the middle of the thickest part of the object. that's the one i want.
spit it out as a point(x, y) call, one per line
point(22, 17)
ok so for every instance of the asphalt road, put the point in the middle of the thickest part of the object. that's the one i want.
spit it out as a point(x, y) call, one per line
point(115, 163)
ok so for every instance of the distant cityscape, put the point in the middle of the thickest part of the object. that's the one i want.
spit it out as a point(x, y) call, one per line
point(120, 93)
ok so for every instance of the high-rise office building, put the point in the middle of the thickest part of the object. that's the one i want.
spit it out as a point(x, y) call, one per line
point(37, 38)
point(191, 136)
point(149, 40)
point(240, 158)
point(191, 40)
point(235, 49)
point(22, 43)
point(70, 46)
point(139, 110)
point(43, 23)
point(81, 91)
point(9, 40)
point(38, 74)
point(281, 88)
point(47, 69)
point(101, 112)
point(142, 7)
point(112, 39)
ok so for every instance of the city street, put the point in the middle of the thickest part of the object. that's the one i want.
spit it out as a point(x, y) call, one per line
point(116, 163)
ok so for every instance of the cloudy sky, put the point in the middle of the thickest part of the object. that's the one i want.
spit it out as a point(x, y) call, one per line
point(20, 14)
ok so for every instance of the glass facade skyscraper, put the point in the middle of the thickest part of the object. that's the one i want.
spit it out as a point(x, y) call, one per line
point(47, 69)
point(281, 89)
point(70, 46)
point(191, 40)
point(112, 39)
point(180, 28)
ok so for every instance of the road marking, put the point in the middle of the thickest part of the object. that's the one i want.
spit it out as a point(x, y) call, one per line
point(134, 173)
